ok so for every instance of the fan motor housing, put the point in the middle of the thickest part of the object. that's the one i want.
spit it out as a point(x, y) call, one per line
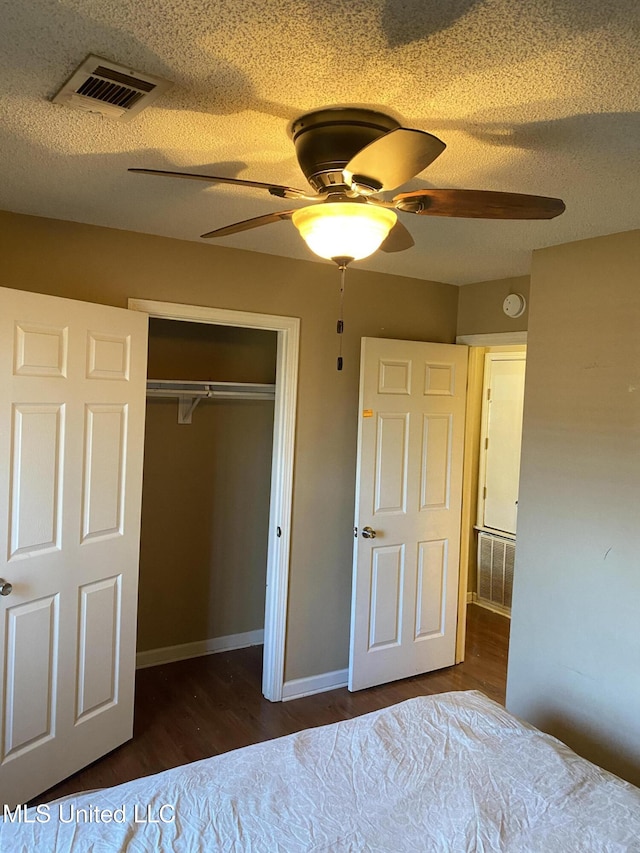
point(325, 141)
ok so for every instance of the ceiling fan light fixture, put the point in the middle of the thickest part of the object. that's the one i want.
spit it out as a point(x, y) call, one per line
point(344, 229)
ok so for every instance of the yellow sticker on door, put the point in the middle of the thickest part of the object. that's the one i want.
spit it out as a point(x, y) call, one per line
point(367, 413)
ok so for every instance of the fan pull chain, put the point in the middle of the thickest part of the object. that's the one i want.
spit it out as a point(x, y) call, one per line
point(340, 324)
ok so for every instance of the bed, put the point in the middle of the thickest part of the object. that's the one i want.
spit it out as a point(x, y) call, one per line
point(453, 772)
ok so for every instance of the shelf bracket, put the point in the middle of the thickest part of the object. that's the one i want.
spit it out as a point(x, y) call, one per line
point(186, 408)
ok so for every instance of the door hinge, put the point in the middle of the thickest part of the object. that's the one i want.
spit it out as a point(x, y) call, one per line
point(278, 532)
point(486, 444)
point(488, 393)
point(484, 493)
point(355, 532)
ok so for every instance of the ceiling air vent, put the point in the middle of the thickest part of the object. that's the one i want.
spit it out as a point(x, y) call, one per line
point(113, 91)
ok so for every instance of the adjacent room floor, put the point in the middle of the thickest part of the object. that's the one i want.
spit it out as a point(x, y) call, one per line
point(196, 708)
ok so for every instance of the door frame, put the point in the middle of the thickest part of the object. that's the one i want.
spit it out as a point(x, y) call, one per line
point(281, 498)
point(476, 344)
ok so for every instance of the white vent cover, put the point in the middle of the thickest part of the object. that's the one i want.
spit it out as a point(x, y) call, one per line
point(496, 557)
point(116, 92)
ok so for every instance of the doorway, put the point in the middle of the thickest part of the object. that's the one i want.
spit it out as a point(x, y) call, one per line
point(280, 499)
point(205, 495)
point(474, 481)
point(499, 477)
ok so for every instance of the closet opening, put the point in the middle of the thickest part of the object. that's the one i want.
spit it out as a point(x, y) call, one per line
point(206, 489)
point(216, 503)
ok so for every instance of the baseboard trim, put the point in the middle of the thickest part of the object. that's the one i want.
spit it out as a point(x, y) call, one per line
point(299, 687)
point(169, 654)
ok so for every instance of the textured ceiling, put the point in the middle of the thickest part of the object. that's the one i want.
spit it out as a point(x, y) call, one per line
point(534, 97)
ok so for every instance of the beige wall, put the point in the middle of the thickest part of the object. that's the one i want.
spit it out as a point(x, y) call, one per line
point(182, 350)
point(575, 641)
point(205, 514)
point(480, 306)
point(205, 507)
point(107, 266)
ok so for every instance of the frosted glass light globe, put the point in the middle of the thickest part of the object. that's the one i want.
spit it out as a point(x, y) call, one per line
point(344, 229)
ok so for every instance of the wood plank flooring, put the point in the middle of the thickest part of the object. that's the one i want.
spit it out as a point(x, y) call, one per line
point(192, 709)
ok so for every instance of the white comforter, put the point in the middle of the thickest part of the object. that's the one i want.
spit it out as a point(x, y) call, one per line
point(453, 772)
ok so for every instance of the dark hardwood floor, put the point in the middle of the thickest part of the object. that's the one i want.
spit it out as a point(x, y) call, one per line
point(196, 708)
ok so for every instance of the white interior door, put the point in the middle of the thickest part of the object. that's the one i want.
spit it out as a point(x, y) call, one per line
point(72, 403)
point(409, 491)
point(501, 440)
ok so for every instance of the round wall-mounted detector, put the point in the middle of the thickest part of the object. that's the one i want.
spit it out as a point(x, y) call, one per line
point(514, 305)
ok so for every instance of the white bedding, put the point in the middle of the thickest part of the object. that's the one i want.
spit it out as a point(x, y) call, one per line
point(453, 772)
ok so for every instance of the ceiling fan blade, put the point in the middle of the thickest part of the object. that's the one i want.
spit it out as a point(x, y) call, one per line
point(274, 189)
point(394, 158)
point(479, 204)
point(398, 240)
point(248, 224)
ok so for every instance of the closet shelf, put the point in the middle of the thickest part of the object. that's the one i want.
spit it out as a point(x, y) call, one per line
point(190, 393)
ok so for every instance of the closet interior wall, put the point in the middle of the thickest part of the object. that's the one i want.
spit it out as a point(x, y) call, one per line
point(205, 499)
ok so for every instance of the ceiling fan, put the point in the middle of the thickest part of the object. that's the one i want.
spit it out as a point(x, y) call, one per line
point(349, 156)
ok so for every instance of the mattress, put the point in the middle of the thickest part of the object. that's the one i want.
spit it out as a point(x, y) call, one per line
point(453, 772)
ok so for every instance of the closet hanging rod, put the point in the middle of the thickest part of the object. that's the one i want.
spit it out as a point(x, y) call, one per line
point(190, 393)
point(189, 388)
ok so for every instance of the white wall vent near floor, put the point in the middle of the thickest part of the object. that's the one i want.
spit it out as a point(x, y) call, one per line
point(496, 557)
point(113, 91)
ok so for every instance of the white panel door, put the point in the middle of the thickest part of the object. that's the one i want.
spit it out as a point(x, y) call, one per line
point(72, 404)
point(409, 493)
point(501, 440)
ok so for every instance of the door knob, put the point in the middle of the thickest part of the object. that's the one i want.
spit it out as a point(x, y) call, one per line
point(5, 587)
point(368, 533)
